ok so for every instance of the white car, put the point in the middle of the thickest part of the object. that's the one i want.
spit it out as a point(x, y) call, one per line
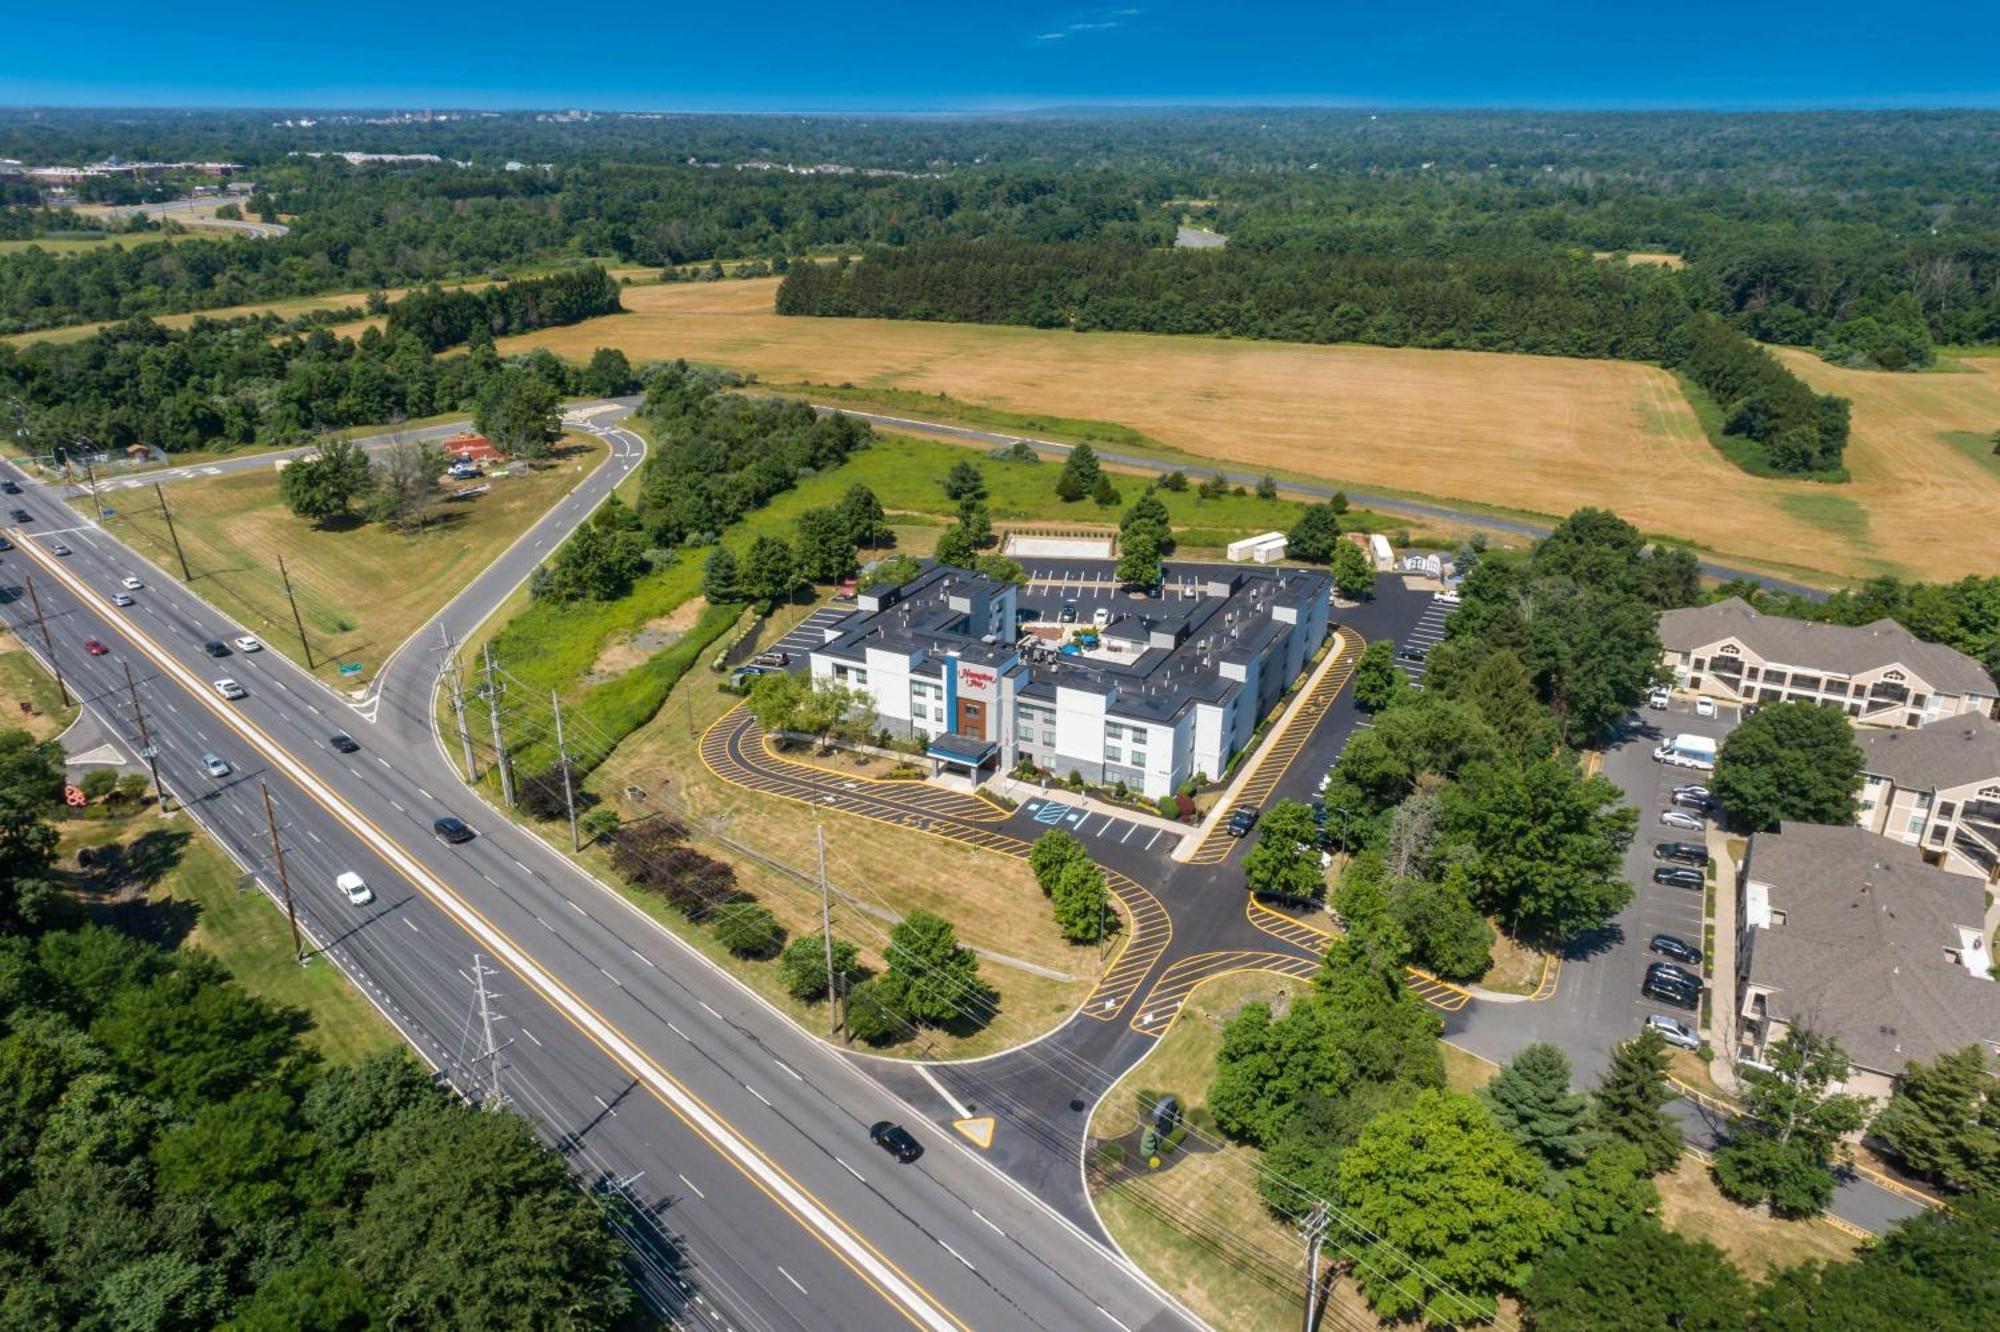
point(353, 888)
point(248, 644)
point(1678, 818)
point(1704, 707)
point(1675, 1031)
point(228, 688)
point(1657, 700)
point(132, 582)
point(120, 599)
point(1448, 598)
point(217, 765)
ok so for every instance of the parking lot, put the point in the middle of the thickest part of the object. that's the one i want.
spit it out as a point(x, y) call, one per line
point(1048, 812)
point(1091, 583)
point(809, 633)
point(1425, 635)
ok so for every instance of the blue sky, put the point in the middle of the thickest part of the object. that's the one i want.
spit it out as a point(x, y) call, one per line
point(893, 55)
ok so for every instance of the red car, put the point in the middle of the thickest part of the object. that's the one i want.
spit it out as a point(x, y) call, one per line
point(94, 648)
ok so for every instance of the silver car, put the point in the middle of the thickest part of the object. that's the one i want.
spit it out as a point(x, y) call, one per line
point(1680, 818)
point(1675, 1031)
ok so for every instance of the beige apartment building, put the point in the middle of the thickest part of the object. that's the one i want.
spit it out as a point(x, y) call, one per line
point(1879, 674)
point(1857, 937)
point(1937, 788)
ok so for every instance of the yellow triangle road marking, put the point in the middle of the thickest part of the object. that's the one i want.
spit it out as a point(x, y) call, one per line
point(979, 1131)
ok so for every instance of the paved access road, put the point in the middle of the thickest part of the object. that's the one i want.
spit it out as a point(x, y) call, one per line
point(740, 1141)
point(180, 209)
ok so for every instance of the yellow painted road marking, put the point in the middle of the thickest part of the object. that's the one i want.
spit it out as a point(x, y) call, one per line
point(861, 1257)
point(978, 1130)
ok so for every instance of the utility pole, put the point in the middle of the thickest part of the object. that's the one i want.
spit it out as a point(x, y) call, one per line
point(297, 623)
point(833, 995)
point(562, 756)
point(1315, 1228)
point(91, 472)
point(489, 1051)
point(147, 749)
point(499, 749)
point(48, 644)
point(284, 884)
point(168, 514)
point(458, 704)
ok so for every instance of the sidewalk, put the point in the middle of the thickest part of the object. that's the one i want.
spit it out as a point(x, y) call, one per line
point(1723, 1001)
point(1013, 788)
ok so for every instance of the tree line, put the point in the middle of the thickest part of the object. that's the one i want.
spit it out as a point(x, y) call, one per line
point(175, 1156)
point(1548, 305)
point(438, 317)
point(1964, 615)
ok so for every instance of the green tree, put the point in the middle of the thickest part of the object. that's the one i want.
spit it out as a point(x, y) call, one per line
point(404, 485)
point(1104, 493)
point(1353, 572)
point(1593, 650)
point(978, 523)
point(1629, 1097)
point(469, 1222)
point(1531, 1099)
point(325, 483)
point(596, 563)
point(1050, 854)
point(1543, 845)
point(1640, 1278)
point(1608, 1192)
point(747, 929)
point(958, 546)
point(1080, 474)
point(867, 523)
point(1452, 1208)
point(1176, 482)
point(770, 571)
point(890, 572)
point(1943, 1122)
point(825, 545)
point(1779, 1147)
point(97, 784)
point(1082, 902)
point(609, 374)
point(1148, 514)
point(874, 1012)
point(934, 978)
point(520, 412)
point(719, 579)
point(1313, 536)
point(1789, 762)
point(802, 969)
point(1267, 487)
point(1002, 569)
point(1379, 684)
point(1285, 861)
point(1447, 935)
point(1138, 561)
point(964, 482)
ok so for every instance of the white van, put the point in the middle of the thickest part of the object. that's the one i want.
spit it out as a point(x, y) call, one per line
point(354, 889)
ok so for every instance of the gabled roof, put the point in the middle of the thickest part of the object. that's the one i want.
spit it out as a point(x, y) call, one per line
point(1837, 648)
point(1952, 751)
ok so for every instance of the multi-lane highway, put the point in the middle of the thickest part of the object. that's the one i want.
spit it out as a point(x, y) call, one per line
point(740, 1141)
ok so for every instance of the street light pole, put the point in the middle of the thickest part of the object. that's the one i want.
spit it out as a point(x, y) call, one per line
point(147, 749)
point(48, 643)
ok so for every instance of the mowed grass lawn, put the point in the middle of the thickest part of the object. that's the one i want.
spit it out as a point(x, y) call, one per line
point(362, 588)
point(1537, 434)
point(23, 681)
point(197, 901)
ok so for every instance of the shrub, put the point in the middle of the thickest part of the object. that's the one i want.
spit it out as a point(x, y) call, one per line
point(802, 970)
point(98, 783)
point(875, 1014)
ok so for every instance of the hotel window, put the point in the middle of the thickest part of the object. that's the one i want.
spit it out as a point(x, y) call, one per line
point(1112, 754)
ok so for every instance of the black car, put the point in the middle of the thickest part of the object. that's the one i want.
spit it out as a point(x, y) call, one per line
point(1671, 992)
point(1669, 972)
point(215, 647)
point(1689, 800)
point(343, 742)
point(1677, 948)
point(1068, 613)
point(21, 515)
point(12, 488)
point(1687, 853)
point(5, 544)
point(1242, 821)
point(453, 830)
point(1679, 876)
point(896, 1140)
point(1410, 652)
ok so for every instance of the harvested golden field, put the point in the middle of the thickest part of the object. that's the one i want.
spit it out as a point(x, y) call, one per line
point(1538, 434)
